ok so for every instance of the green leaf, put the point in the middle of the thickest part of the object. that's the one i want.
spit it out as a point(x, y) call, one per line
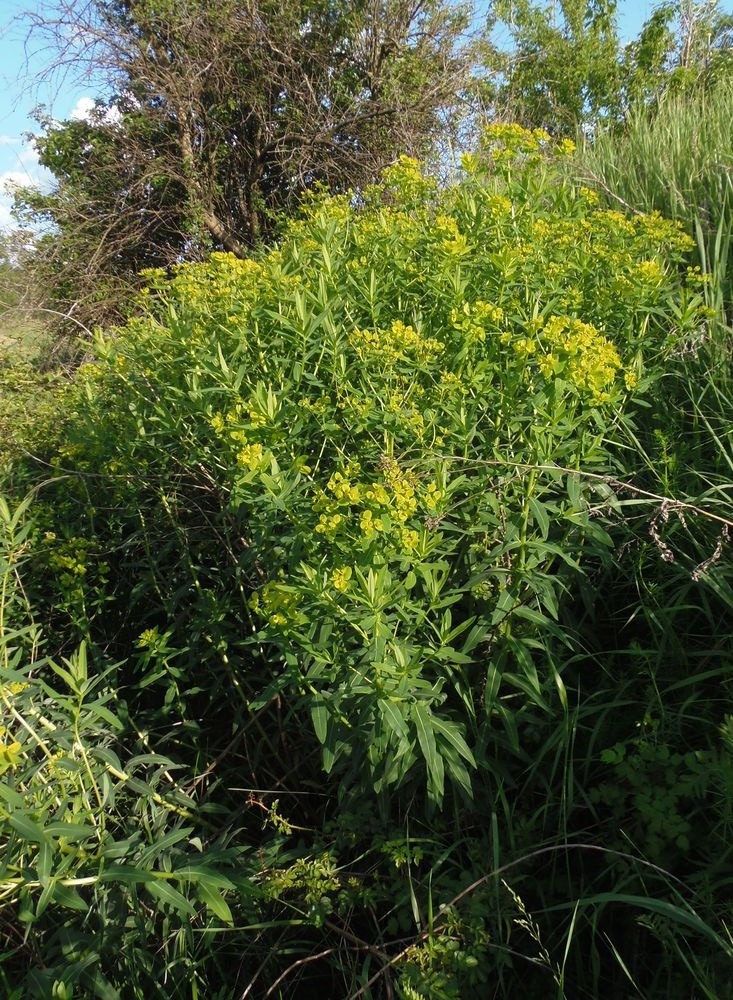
point(451, 733)
point(166, 894)
point(215, 902)
point(107, 716)
point(539, 513)
point(46, 897)
point(70, 831)
point(126, 875)
point(393, 717)
point(685, 917)
point(66, 895)
point(65, 676)
point(44, 861)
point(27, 828)
point(13, 798)
point(531, 615)
point(423, 720)
point(170, 839)
point(204, 873)
point(319, 717)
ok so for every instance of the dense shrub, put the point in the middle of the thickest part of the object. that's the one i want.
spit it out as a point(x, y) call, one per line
point(329, 512)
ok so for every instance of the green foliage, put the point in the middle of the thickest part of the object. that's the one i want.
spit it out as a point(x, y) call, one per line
point(113, 840)
point(566, 69)
point(82, 247)
point(345, 690)
point(662, 785)
point(30, 405)
point(21, 331)
point(399, 396)
point(659, 635)
point(564, 66)
point(677, 163)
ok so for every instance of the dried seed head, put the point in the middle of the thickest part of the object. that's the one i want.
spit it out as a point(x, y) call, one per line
point(704, 566)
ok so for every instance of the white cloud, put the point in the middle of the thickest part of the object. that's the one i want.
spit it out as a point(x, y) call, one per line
point(9, 140)
point(9, 181)
point(28, 174)
point(18, 178)
point(6, 221)
point(82, 109)
point(29, 156)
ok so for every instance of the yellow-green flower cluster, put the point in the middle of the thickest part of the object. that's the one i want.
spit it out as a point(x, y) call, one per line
point(451, 240)
point(69, 559)
point(350, 510)
point(329, 524)
point(340, 493)
point(10, 748)
point(524, 347)
point(450, 384)
point(614, 222)
point(409, 416)
point(432, 496)
point(149, 638)
point(586, 358)
point(318, 406)
point(393, 223)
point(474, 319)
point(369, 524)
point(340, 578)
point(251, 456)
point(248, 455)
point(513, 136)
point(10, 751)
point(471, 164)
point(589, 196)
point(654, 226)
point(223, 285)
point(321, 207)
point(402, 485)
point(407, 179)
point(399, 342)
point(343, 489)
point(392, 503)
point(276, 603)
point(508, 143)
point(650, 272)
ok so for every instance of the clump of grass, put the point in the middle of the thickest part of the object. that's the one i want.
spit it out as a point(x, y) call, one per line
point(23, 331)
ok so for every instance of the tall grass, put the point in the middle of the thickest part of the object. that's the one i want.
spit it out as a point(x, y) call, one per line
point(677, 160)
point(661, 635)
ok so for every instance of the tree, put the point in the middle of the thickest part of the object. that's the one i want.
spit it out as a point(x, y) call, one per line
point(566, 68)
point(220, 116)
point(563, 66)
point(108, 216)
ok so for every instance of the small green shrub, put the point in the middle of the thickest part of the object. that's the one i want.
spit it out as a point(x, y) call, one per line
point(101, 847)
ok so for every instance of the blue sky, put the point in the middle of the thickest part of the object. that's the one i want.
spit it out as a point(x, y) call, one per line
point(66, 98)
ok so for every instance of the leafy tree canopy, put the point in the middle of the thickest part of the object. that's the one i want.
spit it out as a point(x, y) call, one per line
point(221, 116)
point(566, 67)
